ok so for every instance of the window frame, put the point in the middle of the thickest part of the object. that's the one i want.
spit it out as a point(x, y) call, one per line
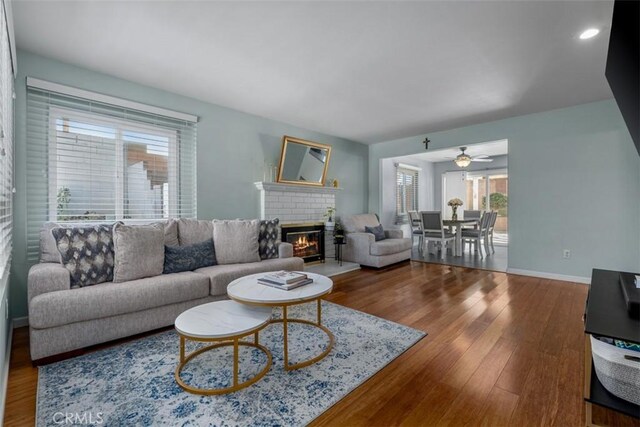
point(403, 217)
point(120, 126)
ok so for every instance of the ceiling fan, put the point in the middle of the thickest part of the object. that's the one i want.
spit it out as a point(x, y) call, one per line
point(463, 159)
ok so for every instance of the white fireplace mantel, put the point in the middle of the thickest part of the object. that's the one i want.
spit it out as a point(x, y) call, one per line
point(274, 186)
point(297, 204)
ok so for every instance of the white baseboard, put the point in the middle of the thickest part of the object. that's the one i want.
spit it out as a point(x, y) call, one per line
point(5, 373)
point(554, 276)
point(19, 322)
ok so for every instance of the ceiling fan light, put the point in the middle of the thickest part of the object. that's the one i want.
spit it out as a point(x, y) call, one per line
point(462, 160)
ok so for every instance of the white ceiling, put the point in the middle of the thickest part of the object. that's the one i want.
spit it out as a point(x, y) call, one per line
point(491, 149)
point(367, 71)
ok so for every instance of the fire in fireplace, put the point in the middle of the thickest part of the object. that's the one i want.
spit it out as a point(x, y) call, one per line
point(305, 243)
point(307, 240)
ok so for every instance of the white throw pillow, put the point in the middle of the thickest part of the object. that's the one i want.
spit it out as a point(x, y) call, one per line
point(139, 251)
point(236, 241)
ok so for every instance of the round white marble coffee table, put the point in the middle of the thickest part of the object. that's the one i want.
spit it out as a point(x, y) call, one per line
point(225, 322)
point(247, 290)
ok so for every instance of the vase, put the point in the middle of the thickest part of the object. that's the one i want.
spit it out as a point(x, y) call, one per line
point(454, 215)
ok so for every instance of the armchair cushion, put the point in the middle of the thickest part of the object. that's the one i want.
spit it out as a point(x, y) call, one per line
point(394, 234)
point(390, 246)
point(377, 231)
point(357, 223)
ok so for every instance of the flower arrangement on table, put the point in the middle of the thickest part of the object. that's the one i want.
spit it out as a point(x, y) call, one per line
point(455, 204)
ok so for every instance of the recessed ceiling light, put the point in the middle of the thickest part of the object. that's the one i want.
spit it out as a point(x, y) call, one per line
point(590, 33)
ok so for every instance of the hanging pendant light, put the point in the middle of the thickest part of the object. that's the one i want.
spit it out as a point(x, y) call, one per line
point(462, 160)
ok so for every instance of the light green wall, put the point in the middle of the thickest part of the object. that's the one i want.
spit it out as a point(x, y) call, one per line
point(232, 149)
point(574, 183)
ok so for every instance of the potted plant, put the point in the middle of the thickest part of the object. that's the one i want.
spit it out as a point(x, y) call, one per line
point(329, 218)
point(338, 233)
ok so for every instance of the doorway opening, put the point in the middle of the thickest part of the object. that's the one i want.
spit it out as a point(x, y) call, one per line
point(482, 186)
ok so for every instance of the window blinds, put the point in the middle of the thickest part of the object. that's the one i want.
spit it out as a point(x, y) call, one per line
point(92, 161)
point(6, 148)
point(406, 193)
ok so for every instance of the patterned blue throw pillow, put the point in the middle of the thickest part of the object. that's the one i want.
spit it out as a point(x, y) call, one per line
point(86, 252)
point(189, 257)
point(377, 231)
point(268, 238)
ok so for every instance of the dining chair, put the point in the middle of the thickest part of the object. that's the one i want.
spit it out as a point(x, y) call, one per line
point(489, 235)
point(416, 227)
point(434, 231)
point(472, 214)
point(478, 236)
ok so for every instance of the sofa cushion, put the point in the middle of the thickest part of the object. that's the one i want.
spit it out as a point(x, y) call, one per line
point(192, 231)
point(389, 246)
point(48, 247)
point(171, 232)
point(189, 258)
point(357, 223)
point(110, 299)
point(236, 241)
point(377, 231)
point(268, 238)
point(87, 252)
point(139, 251)
point(222, 275)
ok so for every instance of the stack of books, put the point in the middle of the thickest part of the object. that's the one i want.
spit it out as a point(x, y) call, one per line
point(285, 280)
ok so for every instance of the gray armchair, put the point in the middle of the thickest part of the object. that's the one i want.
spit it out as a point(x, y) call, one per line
point(363, 249)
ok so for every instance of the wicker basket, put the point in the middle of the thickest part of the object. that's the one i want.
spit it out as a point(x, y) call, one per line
point(617, 373)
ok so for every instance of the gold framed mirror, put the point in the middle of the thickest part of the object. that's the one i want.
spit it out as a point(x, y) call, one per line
point(303, 162)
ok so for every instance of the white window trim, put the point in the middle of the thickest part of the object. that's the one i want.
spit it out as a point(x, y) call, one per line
point(173, 160)
point(107, 99)
point(417, 170)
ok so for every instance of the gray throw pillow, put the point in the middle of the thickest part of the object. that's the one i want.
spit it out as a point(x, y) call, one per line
point(377, 231)
point(268, 238)
point(189, 258)
point(139, 251)
point(192, 231)
point(48, 246)
point(236, 241)
point(86, 252)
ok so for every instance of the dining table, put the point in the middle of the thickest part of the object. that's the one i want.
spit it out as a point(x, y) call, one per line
point(459, 224)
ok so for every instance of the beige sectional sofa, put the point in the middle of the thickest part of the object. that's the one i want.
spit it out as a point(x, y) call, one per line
point(62, 319)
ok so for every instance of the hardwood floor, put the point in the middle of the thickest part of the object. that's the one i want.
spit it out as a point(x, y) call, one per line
point(502, 350)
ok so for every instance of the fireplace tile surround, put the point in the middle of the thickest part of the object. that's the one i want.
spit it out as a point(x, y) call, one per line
point(297, 204)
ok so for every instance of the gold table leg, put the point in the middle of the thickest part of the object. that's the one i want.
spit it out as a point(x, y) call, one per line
point(286, 340)
point(318, 324)
point(235, 343)
point(235, 362)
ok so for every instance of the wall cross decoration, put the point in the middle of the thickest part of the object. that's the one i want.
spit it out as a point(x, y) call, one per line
point(426, 143)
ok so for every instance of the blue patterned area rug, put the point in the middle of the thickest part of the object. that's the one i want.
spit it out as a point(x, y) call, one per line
point(133, 383)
